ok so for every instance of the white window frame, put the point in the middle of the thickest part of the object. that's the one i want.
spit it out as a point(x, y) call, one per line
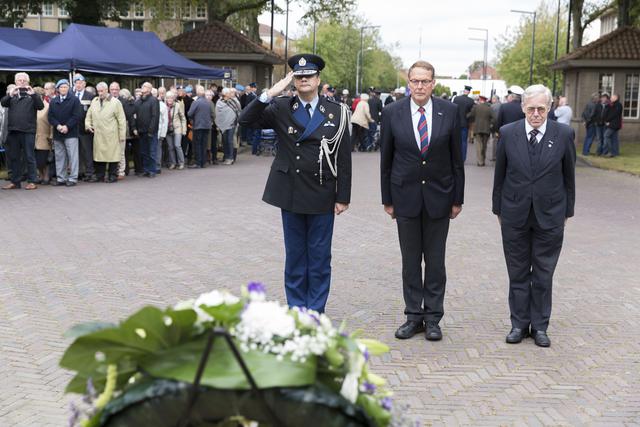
point(637, 100)
point(201, 11)
point(44, 9)
point(62, 12)
point(138, 10)
point(169, 10)
point(613, 82)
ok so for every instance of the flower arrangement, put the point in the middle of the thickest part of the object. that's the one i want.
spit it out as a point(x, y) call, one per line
point(290, 353)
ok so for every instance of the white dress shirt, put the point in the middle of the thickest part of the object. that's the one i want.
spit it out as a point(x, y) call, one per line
point(415, 118)
point(541, 130)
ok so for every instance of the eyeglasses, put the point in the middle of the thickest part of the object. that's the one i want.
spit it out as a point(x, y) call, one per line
point(416, 82)
point(540, 110)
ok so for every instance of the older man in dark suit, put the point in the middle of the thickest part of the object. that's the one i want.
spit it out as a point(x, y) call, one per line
point(533, 195)
point(422, 176)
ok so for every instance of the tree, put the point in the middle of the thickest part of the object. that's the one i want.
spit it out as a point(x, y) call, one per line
point(339, 44)
point(90, 12)
point(440, 89)
point(514, 50)
point(14, 12)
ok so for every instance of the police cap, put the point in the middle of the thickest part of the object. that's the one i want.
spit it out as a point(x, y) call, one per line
point(306, 64)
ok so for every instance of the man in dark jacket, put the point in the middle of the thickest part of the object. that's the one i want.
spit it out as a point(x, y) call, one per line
point(147, 121)
point(612, 124)
point(64, 116)
point(375, 109)
point(200, 115)
point(590, 116)
point(511, 111)
point(85, 139)
point(465, 104)
point(22, 104)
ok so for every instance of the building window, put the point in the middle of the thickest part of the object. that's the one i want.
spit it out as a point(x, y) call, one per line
point(201, 11)
point(631, 92)
point(47, 9)
point(191, 25)
point(62, 11)
point(132, 24)
point(169, 10)
point(138, 10)
point(606, 83)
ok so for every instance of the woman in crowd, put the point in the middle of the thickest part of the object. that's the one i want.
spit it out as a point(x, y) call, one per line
point(360, 124)
point(226, 119)
point(177, 127)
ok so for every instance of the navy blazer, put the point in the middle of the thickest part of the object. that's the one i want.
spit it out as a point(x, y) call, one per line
point(410, 181)
point(549, 186)
point(68, 113)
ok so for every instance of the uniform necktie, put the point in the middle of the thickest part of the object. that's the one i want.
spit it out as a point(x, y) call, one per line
point(532, 136)
point(423, 131)
point(308, 108)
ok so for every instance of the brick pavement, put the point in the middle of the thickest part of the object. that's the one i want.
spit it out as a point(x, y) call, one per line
point(100, 251)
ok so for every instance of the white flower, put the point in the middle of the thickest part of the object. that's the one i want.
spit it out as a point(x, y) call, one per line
point(216, 298)
point(349, 388)
point(184, 305)
point(263, 320)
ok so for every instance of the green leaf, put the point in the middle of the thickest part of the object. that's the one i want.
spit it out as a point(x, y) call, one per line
point(375, 347)
point(87, 328)
point(224, 313)
point(222, 370)
point(372, 407)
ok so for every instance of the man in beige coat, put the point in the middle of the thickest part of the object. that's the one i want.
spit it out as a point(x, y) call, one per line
point(107, 121)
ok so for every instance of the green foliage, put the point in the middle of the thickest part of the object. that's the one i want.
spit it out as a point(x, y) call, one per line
point(14, 12)
point(514, 49)
point(439, 89)
point(339, 43)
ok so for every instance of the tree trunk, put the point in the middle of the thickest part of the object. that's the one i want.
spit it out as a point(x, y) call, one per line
point(576, 23)
point(624, 13)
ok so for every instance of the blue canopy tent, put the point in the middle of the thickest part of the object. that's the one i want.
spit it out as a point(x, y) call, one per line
point(14, 58)
point(122, 52)
point(26, 39)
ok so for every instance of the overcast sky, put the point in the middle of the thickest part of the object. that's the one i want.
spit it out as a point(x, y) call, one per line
point(444, 23)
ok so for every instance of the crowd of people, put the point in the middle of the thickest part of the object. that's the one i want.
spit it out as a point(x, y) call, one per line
point(66, 132)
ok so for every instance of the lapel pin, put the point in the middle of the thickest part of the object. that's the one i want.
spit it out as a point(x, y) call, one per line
point(439, 113)
point(330, 115)
point(295, 106)
point(322, 108)
point(290, 130)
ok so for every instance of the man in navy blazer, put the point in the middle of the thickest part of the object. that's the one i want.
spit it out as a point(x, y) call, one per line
point(422, 174)
point(533, 195)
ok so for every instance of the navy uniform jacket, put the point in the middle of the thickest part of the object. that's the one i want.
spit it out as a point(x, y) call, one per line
point(549, 186)
point(509, 112)
point(410, 181)
point(465, 104)
point(294, 181)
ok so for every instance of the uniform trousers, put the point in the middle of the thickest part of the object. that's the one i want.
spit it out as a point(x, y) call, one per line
point(307, 272)
point(66, 152)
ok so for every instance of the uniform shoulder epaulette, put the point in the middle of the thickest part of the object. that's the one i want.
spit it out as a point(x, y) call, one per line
point(334, 101)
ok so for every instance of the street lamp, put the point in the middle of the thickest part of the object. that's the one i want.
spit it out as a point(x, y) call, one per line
point(555, 54)
point(485, 40)
point(358, 72)
point(533, 41)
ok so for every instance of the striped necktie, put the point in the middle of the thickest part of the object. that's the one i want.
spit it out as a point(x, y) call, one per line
point(423, 131)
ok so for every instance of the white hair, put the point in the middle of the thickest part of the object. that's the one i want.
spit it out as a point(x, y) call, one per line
point(21, 74)
point(154, 92)
point(536, 90)
point(102, 85)
point(49, 85)
point(126, 94)
point(226, 91)
point(170, 94)
point(364, 97)
point(147, 84)
point(200, 90)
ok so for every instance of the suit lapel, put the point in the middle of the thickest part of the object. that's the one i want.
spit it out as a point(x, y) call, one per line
point(406, 124)
point(316, 120)
point(436, 121)
point(549, 142)
point(300, 114)
point(522, 147)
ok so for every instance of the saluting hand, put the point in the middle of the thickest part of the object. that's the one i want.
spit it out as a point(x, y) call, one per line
point(279, 87)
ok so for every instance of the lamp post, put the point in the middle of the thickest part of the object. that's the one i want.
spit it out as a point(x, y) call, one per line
point(533, 41)
point(286, 40)
point(359, 56)
point(485, 41)
point(555, 54)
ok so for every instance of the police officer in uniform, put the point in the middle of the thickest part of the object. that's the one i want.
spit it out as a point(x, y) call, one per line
point(310, 178)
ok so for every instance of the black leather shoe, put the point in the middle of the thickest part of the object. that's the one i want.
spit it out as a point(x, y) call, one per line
point(541, 338)
point(517, 335)
point(433, 332)
point(409, 329)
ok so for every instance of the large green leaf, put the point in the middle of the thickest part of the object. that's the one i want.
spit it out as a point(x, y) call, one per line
point(222, 370)
point(87, 328)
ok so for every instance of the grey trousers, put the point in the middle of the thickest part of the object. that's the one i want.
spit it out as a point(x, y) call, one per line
point(66, 151)
point(174, 147)
point(159, 151)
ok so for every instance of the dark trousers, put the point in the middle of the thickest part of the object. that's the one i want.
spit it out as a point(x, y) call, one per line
point(148, 149)
point(227, 144)
point(256, 134)
point(588, 139)
point(373, 128)
point(21, 152)
point(531, 253)
point(133, 152)
point(307, 271)
point(423, 239)
point(85, 151)
point(600, 135)
point(101, 167)
point(464, 135)
point(200, 140)
point(214, 144)
point(359, 137)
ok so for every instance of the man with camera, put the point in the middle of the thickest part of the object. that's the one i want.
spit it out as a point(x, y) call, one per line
point(22, 103)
